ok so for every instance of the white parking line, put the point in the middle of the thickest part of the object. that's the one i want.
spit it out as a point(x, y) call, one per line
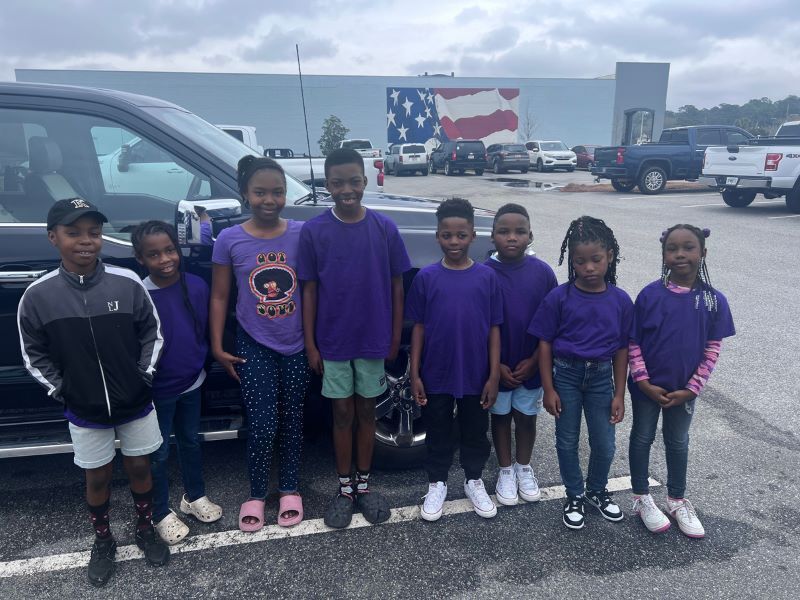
point(723, 204)
point(234, 537)
point(641, 196)
point(785, 217)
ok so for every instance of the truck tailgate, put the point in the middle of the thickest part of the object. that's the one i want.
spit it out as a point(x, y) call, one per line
point(605, 156)
point(748, 161)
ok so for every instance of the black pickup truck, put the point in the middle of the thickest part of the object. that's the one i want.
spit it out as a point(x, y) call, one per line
point(140, 158)
point(677, 155)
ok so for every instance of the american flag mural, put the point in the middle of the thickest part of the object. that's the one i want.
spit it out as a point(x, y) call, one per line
point(434, 115)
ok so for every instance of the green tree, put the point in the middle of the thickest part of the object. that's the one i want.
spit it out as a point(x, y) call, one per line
point(333, 132)
point(759, 116)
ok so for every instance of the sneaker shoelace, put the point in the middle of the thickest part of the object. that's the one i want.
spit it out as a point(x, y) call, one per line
point(604, 498)
point(526, 476)
point(574, 505)
point(687, 509)
point(644, 504)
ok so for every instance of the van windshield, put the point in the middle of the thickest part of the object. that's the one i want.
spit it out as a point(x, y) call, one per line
point(554, 146)
point(357, 144)
point(514, 148)
point(414, 149)
point(217, 142)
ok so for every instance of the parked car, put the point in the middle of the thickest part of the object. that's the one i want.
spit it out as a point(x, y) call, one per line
point(406, 158)
point(507, 157)
point(584, 155)
point(677, 155)
point(550, 155)
point(456, 157)
point(53, 140)
point(768, 166)
point(363, 147)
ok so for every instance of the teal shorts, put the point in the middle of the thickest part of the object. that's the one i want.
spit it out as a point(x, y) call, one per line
point(528, 402)
point(363, 376)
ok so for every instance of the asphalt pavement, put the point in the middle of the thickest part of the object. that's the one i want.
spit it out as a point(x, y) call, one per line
point(744, 454)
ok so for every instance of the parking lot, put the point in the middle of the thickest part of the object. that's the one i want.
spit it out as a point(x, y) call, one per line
point(744, 454)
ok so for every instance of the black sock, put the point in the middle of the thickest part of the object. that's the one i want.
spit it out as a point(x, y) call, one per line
point(346, 485)
point(362, 483)
point(144, 509)
point(99, 518)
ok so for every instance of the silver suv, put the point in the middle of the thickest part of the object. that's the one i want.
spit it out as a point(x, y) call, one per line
point(406, 158)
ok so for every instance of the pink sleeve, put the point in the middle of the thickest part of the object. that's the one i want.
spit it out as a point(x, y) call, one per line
point(705, 368)
point(636, 362)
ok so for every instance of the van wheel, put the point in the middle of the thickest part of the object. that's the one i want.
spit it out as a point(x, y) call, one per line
point(431, 168)
point(424, 172)
point(447, 169)
point(478, 172)
point(652, 181)
point(540, 166)
point(793, 200)
point(621, 185)
point(496, 167)
point(525, 170)
point(740, 198)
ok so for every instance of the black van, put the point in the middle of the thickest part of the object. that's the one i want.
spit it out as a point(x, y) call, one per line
point(458, 157)
point(140, 158)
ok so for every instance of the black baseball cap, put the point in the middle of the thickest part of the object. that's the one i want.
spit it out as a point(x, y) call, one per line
point(69, 210)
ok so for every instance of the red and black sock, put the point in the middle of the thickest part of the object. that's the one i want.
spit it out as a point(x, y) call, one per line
point(99, 518)
point(346, 486)
point(144, 509)
point(362, 483)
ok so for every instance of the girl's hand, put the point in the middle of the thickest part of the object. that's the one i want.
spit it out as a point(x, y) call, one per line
point(314, 360)
point(526, 369)
point(552, 403)
point(507, 378)
point(229, 362)
point(654, 392)
point(678, 397)
point(617, 410)
point(489, 394)
point(418, 391)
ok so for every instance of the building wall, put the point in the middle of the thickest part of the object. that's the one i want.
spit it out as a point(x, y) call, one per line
point(576, 111)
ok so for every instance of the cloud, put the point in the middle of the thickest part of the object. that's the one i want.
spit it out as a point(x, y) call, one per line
point(278, 46)
point(471, 13)
point(498, 39)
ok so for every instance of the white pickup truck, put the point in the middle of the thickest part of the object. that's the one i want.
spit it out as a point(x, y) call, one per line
point(300, 166)
point(768, 166)
point(363, 147)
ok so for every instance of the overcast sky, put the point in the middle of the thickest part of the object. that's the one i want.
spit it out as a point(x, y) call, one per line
point(719, 51)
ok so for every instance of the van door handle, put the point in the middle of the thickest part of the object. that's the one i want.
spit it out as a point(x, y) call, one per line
point(20, 276)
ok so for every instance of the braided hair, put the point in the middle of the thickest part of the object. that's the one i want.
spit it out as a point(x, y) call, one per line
point(709, 294)
point(248, 166)
point(587, 230)
point(153, 228)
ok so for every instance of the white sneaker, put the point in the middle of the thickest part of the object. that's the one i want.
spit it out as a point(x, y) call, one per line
point(652, 517)
point(476, 492)
point(506, 488)
point(683, 512)
point(434, 501)
point(527, 483)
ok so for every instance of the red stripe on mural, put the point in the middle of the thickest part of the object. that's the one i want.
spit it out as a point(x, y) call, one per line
point(479, 127)
point(450, 93)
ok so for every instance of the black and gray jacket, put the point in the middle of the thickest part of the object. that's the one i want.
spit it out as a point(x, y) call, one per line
point(92, 341)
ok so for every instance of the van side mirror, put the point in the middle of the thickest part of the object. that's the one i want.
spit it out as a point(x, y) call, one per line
point(191, 214)
point(124, 160)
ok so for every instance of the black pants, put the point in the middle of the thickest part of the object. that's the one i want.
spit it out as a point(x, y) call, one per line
point(473, 423)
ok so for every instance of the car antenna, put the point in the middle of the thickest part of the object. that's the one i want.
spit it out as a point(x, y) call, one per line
point(305, 119)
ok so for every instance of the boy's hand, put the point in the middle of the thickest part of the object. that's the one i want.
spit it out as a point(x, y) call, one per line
point(678, 397)
point(314, 360)
point(526, 369)
point(617, 409)
point(229, 362)
point(507, 378)
point(654, 392)
point(552, 403)
point(489, 394)
point(394, 348)
point(418, 391)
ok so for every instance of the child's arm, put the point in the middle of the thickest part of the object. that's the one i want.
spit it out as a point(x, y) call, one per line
point(217, 312)
point(397, 316)
point(34, 343)
point(310, 296)
point(148, 328)
point(417, 341)
point(527, 367)
point(490, 389)
point(699, 378)
point(641, 377)
point(620, 363)
point(551, 401)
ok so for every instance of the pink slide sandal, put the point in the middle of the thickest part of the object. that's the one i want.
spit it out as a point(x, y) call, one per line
point(291, 502)
point(255, 510)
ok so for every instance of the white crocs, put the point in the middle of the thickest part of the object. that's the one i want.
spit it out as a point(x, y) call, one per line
point(201, 509)
point(171, 529)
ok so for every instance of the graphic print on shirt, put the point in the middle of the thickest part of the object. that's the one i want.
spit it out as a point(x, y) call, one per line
point(273, 282)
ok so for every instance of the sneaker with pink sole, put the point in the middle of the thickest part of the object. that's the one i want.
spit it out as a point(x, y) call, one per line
point(684, 514)
point(652, 517)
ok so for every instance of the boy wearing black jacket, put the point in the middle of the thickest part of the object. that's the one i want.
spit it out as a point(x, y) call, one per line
point(91, 336)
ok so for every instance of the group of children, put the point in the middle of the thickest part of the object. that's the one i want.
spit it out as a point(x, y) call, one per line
point(127, 357)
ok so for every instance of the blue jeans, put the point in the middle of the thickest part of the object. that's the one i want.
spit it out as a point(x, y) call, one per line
point(181, 415)
point(675, 428)
point(585, 387)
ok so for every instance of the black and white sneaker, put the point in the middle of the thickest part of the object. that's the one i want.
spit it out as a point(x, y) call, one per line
point(602, 502)
point(574, 513)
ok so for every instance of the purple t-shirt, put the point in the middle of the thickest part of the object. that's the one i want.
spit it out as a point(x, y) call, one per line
point(185, 343)
point(268, 300)
point(457, 309)
point(524, 284)
point(353, 265)
point(672, 331)
point(584, 325)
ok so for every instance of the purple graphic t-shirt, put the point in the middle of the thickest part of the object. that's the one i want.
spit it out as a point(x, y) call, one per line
point(268, 299)
point(457, 308)
point(353, 265)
